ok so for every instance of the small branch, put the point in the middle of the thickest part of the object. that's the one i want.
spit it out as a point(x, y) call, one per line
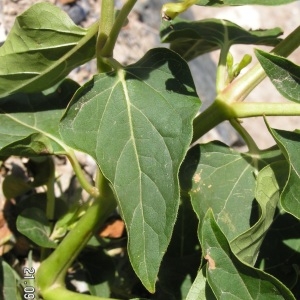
point(107, 19)
point(242, 86)
point(116, 28)
point(219, 111)
point(248, 110)
point(211, 117)
point(86, 185)
point(221, 69)
point(51, 274)
point(252, 147)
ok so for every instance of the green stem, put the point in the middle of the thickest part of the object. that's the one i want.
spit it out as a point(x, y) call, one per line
point(221, 70)
point(86, 185)
point(248, 110)
point(51, 274)
point(227, 104)
point(220, 111)
point(241, 87)
point(116, 28)
point(211, 117)
point(105, 25)
point(252, 147)
point(50, 207)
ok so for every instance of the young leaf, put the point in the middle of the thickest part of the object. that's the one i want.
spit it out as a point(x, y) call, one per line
point(32, 222)
point(284, 74)
point(193, 38)
point(289, 142)
point(43, 46)
point(29, 122)
point(228, 277)
point(137, 124)
point(247, 245)
point(211, 186)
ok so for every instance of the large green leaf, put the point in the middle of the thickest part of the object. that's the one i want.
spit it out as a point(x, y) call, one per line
point(289, 142)
point(29, 122)
point(247, 245)
point(228, 277)
point(222, 179)
point(241, 2)
point(193, 38)
point(284, 74)
point(137, 124)
point(43, 46)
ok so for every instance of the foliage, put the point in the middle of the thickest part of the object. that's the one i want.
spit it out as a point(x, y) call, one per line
point(202, 220)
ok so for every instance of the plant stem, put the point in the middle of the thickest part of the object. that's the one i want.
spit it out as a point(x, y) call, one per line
point(50, 207)
point(52, 272)
point(116, 28)
point(221, 70)
point(227, 104)
point(252, 147)
point(241, 87)
point(248, 110)
point(220, 111)
point(211, 117)
point(93, 191)
point(105, 25)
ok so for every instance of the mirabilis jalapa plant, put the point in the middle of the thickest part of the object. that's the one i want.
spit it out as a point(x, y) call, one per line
point(202, 221)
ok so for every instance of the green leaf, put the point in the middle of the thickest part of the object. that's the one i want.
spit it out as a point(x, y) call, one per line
point(247, 245)
point(228, 277)
point(8, 282)
point(222, 179)
point(289, 143)
point(33, 223)
point(284, 74)
point(200, 289)
point(193, 38)
point(29, 122)
point(137, 124)
point(241, 2)
point(43, 46)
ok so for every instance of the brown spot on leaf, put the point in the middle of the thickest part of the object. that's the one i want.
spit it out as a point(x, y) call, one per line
point(197, 177)
point(211, 262)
